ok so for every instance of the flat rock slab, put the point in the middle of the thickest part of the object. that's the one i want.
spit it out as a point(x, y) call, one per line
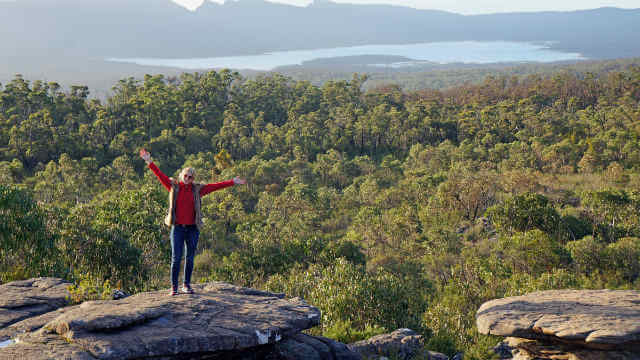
point(598, 319)
point(218, 318)
point(20, 300)
point(29, 324)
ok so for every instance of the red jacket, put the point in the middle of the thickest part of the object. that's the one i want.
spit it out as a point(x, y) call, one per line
point(185, 211)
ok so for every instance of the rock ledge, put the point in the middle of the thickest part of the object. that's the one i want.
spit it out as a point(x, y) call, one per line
point(219, 321)
point(576, 321)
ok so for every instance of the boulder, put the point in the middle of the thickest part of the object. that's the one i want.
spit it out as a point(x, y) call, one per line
point(219, 321)
point(436, 356)
point(504, 350)
point(118, 294)
point(596, 319)
point(402, 344)
point(303, 346)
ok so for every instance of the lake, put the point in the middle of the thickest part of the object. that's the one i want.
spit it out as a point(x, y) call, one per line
point(438, 52)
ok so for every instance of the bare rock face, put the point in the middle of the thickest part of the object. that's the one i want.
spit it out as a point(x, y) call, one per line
point(20, 300)
point(566, 324)
point(400, 344)
point(598, 319)
point(302, 346)
point(219, 321)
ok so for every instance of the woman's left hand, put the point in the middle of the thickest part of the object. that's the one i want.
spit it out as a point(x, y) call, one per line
point(145, 155)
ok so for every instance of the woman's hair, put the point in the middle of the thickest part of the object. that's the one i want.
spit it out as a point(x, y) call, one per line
point(187, 171)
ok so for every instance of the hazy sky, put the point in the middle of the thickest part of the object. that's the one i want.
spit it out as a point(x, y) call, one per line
point(471, 6)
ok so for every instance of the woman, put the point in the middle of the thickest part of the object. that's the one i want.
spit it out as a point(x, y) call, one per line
point(184, 217)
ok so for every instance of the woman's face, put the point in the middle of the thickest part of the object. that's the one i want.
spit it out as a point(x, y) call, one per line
point(187, 178)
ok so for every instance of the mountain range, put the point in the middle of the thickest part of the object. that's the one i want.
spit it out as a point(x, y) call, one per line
point(67, 41)
point(161, 28)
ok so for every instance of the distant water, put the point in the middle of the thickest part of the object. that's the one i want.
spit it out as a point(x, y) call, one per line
point(439, 52)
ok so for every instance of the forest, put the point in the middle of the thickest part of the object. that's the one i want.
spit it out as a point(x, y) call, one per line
point(384, 207)
point(438, 76)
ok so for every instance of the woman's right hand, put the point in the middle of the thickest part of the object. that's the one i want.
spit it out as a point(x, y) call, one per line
point(145, 155)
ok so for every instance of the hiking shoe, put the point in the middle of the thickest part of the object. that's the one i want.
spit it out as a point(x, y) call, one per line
point(173, 292)
point(186, 288)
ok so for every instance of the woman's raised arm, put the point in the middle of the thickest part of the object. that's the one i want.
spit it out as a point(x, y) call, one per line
point(221, 185)
point(164, 179)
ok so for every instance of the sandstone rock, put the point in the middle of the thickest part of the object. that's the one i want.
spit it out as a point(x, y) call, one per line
point(28, 325)
point(118, 294)
point(525, 349)
point(504, 350)
point(52, 349)
point(302, 346)
point(598, 319)
point(436, 356)
point(401, 344)
point(21, 300)
point(220, 321)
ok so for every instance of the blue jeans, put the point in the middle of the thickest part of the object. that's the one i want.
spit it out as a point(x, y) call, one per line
point(181, 236)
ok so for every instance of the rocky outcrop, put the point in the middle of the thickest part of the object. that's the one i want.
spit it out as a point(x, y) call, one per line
point(219, 321)
point(402, 344)
point(21, 301)
point(525, 349)
point(302, 346)
point(566, 324)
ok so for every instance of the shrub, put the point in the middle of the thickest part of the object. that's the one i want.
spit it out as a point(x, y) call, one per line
point(262, 257)
point(523, 283)
point(344, 331)
point(87, 288)
point(345, 292)
point(100, 253)
point(451, 316)
point(525, 212)
point(587, 254)
point(624, 256)
point(576, 227)
point(27, 248)
point(342, 249)
point(533, 252)
point(609, 209)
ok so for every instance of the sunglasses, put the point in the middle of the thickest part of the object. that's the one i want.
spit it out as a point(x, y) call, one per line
point(188, 176)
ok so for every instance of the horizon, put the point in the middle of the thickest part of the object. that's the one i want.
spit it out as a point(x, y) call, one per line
point(462, 7)
point(465, 7)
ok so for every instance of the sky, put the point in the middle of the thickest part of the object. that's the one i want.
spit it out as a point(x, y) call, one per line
point(470, 7)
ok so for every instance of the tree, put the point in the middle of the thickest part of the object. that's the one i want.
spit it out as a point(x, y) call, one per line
point(624, 256)
point(608, 208)
point(467, 192)
point(590, 161)
point(118, 236)
point(532, 252)
point(525, 212)
point(380, 298)
point(27, 248)
point(587, 254)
